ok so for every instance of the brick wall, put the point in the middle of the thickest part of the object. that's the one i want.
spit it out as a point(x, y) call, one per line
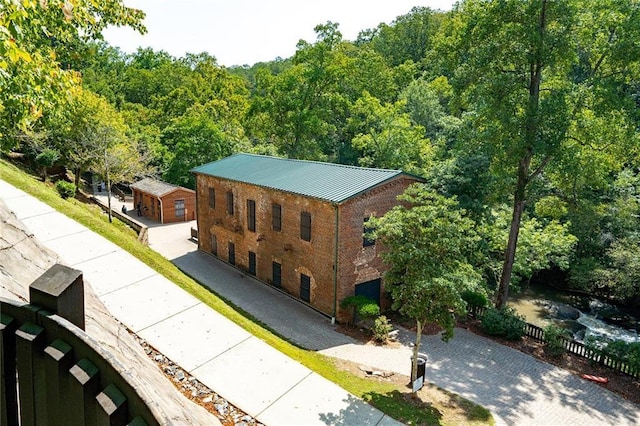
point(358, 264)
point(313, 258)
point(168, 206)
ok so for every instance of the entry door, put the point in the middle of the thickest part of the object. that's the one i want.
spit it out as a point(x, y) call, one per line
point(305, 288)
point(276, 274)
point(232, 253)
point(252, 263)
point(370, 289)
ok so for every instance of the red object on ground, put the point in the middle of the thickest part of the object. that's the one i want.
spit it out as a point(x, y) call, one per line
point(595, 378)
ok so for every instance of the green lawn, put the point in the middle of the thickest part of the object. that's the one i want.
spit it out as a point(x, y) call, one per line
point(387, 397)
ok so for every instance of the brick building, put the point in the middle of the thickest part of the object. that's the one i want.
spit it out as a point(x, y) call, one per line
point(163, 201)
point(297, 225)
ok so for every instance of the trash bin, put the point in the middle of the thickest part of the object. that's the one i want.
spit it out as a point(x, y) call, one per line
point(422, 365)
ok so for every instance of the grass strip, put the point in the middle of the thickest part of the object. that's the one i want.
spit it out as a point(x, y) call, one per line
point(384, 396)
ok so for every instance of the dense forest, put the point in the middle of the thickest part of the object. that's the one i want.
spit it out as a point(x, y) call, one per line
point(525, 113)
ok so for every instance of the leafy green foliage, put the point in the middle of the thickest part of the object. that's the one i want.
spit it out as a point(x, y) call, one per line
point(386, 138)
point(66, 189)
point(362, 307)
point(428, 241)
point(32, 34)
point(544, 81)
point(542, 244)
point(46, 159)
point(474, 299)
point(503, 322)
point(381, 329)
point(555, 337)
point(619, 350)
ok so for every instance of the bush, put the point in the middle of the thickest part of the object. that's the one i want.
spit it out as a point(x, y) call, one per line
point(381, 329)
point(503, 323)
point(618, 350)
point(65, 189)
point(474, 299)
point(554, 338)
point(369, 310)
point(363, 307)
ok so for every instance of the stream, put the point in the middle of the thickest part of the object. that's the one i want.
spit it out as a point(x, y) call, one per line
point(581, 315)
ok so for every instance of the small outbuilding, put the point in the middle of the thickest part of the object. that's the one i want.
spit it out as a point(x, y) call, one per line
point(163, 202)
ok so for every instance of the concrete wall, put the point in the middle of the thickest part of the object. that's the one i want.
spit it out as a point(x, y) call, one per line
point(315, 258)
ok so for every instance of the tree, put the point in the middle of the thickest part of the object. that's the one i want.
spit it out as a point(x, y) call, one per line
point(427, 244)
point(31, 35)
point(95, 137)
point(543, 243)
point(544, 81)
point(198, 137)
point(387, 139)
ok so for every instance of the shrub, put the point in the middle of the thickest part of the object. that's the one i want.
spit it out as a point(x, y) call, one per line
point(554, 338)
point(363, 307)
point(503, 323)
point(474, 299)
point(65, 189)
point(381, 329)
point(369, 310)
point(618, 350)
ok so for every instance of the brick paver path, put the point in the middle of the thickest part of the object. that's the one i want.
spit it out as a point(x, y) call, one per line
point(517, 388)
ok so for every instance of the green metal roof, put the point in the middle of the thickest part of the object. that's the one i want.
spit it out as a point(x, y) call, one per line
point(156, 187)
point(331, 182)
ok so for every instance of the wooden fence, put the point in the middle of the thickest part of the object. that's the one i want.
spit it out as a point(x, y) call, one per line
point(54, 373)
point(574, 347)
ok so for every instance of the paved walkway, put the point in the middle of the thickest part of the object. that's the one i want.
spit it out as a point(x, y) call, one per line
point(517, 388)
point(250, 374)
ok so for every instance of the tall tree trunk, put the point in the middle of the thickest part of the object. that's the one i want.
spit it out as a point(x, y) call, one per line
point(76, 177)
point(532, 126)
point(108, 179)
point(416, 350)
point(519, 199)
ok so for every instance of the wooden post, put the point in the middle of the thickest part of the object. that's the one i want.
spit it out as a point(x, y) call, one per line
point(60, 290)
point(30, 339)
point(57, 361)
point(112, 407)
point(83, 388)
point(8, 393)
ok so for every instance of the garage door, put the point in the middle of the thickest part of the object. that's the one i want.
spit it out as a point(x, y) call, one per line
point(370, 289)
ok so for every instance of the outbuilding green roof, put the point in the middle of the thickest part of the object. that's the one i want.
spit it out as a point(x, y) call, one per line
point(326, 181)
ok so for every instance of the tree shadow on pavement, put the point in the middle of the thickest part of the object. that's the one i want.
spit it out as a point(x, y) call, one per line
point(354, 414)
point(517, 387)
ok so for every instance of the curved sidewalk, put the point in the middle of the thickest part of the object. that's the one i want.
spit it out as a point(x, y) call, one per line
point(252, 375)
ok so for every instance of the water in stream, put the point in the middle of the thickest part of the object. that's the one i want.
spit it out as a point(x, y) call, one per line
point(583, 316)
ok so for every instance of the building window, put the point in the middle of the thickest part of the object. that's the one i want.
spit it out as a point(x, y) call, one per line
point(178, 206)
point(367, 239)
point(212, 198)
point(251, 215)
point(229, 202)
point(305, 226)
point(305, 288)
point(276, 274)
point(276, 217)
point(252, 263)
point(232, 253)
point(214, 245)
